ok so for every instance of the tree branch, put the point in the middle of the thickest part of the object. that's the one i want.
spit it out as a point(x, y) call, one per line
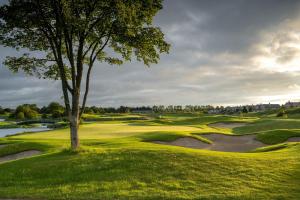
point(93, 57)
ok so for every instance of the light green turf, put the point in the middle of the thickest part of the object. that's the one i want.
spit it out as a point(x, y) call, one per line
point(116, 162)
point(107, 130)
point(8, 124)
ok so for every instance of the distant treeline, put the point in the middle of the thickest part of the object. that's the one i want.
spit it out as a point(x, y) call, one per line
point(56, 110)
point(32, 111)
point(147, 109)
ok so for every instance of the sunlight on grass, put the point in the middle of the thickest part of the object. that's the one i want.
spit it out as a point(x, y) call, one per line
point(116, 162)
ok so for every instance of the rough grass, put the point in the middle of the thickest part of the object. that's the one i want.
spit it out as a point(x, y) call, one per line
point(115, 163)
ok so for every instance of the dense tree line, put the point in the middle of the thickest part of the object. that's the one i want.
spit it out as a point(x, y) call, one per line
point(56, 110)
point(3, 111)
point(32, 111)
point(148, 109)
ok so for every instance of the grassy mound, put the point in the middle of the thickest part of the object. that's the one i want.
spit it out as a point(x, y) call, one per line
point(277, 136)
point(150, 173)
point(268, 124)
point(115, 163)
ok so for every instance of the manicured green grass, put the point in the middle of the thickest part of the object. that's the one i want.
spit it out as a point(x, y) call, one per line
point(277, 136)
point(112, 117)
point(116, 162)
point(275, 147)
point(202, 120)
point(107, 130)
point(8, 124)
point(153, 172)
point(19, 146)
point(268, 124)
point(12, 124)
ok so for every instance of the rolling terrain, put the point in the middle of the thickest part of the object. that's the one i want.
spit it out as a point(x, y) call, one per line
point(118, 159)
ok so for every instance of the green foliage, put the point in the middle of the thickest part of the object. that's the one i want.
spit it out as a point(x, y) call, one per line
point(281, 113)
point(74, 34)
point(20, 116)
point(80, 30)
point(54, 106)
point(55, 110)
point(44, 116)
point(26, 111)
point(2, 112)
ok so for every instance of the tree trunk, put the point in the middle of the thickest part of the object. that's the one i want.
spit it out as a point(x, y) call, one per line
point(74, 119)
point(74, 125)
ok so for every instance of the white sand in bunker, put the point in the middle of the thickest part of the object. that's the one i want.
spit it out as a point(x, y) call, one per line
point(16, 156)
point(294, 139)
point(227, 143)
point(227, 125)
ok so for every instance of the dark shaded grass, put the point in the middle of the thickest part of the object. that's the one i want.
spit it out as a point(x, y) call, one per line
point(152, 174)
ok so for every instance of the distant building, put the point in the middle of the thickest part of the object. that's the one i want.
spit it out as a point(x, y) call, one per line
point(291, 104)
point(238, 109)
point(263, 107)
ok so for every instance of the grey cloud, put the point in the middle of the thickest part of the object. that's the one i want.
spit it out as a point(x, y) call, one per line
point(225, 26)
point(213, 43)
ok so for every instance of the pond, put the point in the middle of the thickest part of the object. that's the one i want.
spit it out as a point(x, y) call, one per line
point(12, 131)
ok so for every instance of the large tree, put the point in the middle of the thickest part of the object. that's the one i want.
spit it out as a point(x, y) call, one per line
point(62, 39)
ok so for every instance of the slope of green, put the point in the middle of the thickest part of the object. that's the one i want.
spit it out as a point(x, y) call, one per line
point(268, 124)
point(115, 162)
point(112, 117)
point(108, 130)
point(154, 172)
point(277, 136)
point(201, 120)
point(8, 124)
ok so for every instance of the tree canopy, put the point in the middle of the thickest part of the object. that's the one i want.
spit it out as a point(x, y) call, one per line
point(62, 39)
point(77, 32)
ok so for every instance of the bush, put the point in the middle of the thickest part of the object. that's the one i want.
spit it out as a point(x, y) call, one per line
point(54, 109)
point(31, 114)
point(57, 114)
point(281, 113)
point(20, 116)
point(2, 111)
point(27, 111)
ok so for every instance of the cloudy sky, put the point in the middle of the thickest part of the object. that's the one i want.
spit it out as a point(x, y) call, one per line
point(223, 53)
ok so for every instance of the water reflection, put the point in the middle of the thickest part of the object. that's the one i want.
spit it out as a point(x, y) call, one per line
point(12, 131)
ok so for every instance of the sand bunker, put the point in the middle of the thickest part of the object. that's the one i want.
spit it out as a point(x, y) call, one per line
point(186, 142)
point(293, 139)
point(227, 125)
point(227, 143)
point(24, 154)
